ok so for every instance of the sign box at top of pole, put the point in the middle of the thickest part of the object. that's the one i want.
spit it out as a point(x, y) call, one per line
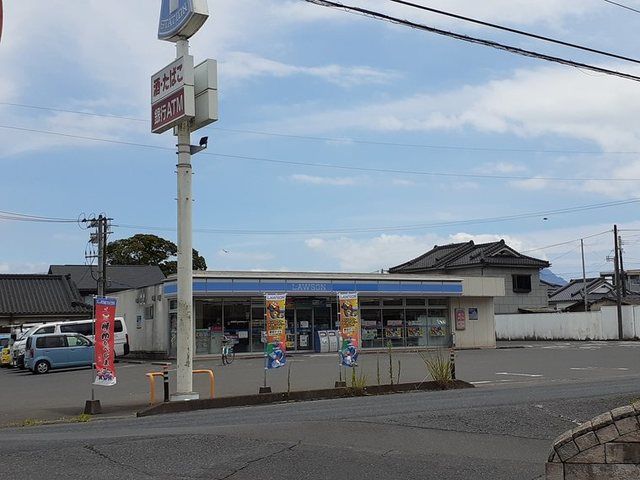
point(206, 91)
point(172, 94)
point(181, 19)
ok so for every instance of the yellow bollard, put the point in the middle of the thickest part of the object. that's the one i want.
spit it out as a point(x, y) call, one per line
point(152, 385)
point(212, 380)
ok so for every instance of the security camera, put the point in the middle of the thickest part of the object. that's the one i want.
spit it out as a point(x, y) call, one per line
point(198, 148)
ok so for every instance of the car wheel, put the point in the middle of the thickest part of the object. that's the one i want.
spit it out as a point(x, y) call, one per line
point(41, 367)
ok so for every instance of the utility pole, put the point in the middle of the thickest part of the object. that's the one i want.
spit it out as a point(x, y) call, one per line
point(101, 256)
point(584, 278)
point(617, 279)
point(623, 279)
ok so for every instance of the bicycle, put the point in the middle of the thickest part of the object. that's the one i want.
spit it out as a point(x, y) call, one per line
point(228, 354)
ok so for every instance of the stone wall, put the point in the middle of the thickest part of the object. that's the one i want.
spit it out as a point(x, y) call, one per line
point(606, 447)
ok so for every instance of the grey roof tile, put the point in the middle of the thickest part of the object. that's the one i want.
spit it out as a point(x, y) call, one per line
point(40, 295)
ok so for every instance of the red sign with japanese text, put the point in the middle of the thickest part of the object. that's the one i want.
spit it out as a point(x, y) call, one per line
point(104, 341)
point(167, 111)
point(172, 94)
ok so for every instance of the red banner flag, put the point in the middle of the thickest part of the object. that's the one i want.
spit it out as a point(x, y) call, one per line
point(104, 337)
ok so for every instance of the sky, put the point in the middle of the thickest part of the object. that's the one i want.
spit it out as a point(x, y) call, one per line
point(332, 126)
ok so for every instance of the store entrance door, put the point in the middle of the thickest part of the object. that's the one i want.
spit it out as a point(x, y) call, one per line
point(304, 329)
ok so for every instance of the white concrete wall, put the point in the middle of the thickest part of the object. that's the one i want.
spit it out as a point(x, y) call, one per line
point(151, 335)
point(601, 325)
point(477, 333)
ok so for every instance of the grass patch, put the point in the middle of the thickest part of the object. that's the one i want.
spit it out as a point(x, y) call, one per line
point(438, 366)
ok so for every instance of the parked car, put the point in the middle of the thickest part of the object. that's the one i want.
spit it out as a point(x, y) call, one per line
point(5, 358)
point(83, 327)
point(50, 351)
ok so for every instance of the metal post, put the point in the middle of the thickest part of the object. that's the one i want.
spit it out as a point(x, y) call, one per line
point(185, 259)
point(584, 278)
point(452, 362)
point(101, 256)
point(617, 280)
point(623, 279)
point(165, 382)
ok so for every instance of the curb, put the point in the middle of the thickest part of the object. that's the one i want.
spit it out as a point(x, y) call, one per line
point(298, 396)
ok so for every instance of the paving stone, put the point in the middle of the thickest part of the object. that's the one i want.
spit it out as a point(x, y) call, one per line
point(582, 429)
point(553, 456)
point(627, 425)
point(607, 434)
point(564, 438)
point(636, 406)
point(629, 437)
point(593, 455)
point(623, 452)
point(585, 442)
point(623, 412)
point(554, 471)
point(577, 471)
point(602, 420)
point(567, 451)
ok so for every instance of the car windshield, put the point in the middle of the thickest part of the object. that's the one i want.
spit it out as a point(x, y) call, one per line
point(28, 332)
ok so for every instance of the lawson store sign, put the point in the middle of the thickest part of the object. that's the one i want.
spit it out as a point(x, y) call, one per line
point(260, 286)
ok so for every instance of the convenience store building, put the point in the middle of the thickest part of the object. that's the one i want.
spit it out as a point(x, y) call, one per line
point(409, 311)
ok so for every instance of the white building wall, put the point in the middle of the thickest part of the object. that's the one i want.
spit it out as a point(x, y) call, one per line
point(600, 325)
point(477, 333)
point(146, 335)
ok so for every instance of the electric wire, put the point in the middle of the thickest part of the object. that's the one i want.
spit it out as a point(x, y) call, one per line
point(334, 166)
point(622, 6)
point(513, 30)
point(470, 39)
point(389, 228)
point(348, 140)
point(566, 242)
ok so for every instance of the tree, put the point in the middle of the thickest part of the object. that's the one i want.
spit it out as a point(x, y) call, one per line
point(144, 249)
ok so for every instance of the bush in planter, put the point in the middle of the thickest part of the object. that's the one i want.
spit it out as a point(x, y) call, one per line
point(438, 366)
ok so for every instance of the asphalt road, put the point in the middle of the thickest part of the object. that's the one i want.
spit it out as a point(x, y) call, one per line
point(494, 432)
point(63, 393)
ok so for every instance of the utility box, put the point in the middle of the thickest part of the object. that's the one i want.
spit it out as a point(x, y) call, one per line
point(334, 336)
point(322, 341)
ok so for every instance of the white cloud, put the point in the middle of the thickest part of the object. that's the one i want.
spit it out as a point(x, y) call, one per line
point(403, 182)
point(502, 167)
point(314, 180)
point(241, 65)
point(384, 251)
point(23, 267)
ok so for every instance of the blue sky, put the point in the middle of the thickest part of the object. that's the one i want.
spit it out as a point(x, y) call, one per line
point(338, 89)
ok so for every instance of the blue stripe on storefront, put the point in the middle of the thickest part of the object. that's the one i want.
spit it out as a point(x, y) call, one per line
point(315, 288)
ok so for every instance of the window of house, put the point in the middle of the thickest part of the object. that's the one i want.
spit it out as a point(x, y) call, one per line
point(521, 283)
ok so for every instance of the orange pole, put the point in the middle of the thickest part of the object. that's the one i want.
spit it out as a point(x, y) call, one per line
point(152, 385)
point(212, 381)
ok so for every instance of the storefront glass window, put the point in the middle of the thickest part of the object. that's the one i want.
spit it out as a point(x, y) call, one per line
point(415, 302)
point(416, 327)
point(208, 315)
point(372, 331)
point(258, 329)
point(393, 320)
point(438, 327)
point(237, 323)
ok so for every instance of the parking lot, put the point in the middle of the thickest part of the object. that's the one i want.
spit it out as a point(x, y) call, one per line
point(62, 393)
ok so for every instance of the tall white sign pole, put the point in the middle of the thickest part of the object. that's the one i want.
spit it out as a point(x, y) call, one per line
point(185, 257)
point(186, 99)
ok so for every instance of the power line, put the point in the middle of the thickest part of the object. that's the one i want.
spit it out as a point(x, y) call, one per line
point(334, 166)
point(518, 32)
point(622, 6)
point(21, 217)
point(470, 39)
point(567, 242)
point(345, 139)
point(424, 226)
